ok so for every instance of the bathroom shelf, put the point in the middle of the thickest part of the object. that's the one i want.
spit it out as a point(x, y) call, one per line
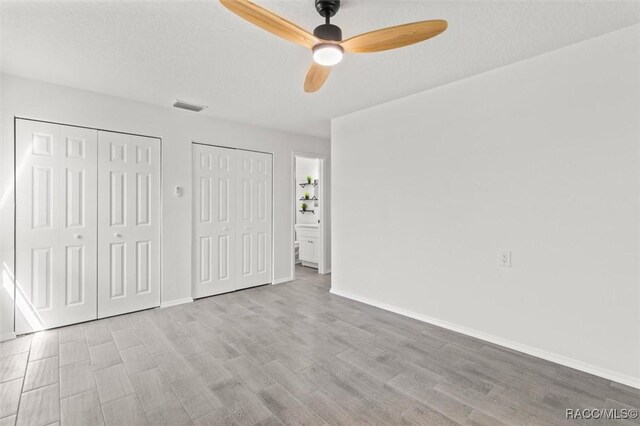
point(307, 211)
point(314, 198)
point(308, 184)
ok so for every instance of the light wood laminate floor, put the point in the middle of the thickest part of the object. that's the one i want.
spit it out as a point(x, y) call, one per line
point(292, 354)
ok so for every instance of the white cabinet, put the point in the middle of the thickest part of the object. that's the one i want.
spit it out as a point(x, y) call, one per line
point(70, 204)
point(309, 250)
point(309, 239)
point(232, 219)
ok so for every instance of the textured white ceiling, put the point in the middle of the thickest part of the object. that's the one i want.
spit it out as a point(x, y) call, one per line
point(157, 51)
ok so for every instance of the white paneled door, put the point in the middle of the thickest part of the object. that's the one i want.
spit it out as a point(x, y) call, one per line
point(232, 219)
point(253, 223)
point(128, 223)
point(56, 187)
point(214, 217)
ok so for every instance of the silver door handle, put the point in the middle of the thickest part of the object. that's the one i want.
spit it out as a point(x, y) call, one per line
point(77, 236)
point(117, 235)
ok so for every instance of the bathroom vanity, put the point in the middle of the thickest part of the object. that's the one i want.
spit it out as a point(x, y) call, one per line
point(309, 239)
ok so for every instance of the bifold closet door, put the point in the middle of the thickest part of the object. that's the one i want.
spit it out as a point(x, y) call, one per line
point(128, 223)
point(214, 218)
point(56, 230)
point(253, 218)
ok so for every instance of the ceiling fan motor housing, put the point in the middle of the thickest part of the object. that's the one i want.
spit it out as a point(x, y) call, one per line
point(328, 32)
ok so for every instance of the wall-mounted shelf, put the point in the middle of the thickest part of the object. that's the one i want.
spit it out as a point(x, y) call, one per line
point(308, 184)
point(307, 211)
point(314, 198)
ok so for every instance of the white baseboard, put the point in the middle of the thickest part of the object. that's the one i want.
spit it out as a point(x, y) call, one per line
point(326, 271)
point(7, 336)
point(282, 280)
point(176, 302)
point(539, 353)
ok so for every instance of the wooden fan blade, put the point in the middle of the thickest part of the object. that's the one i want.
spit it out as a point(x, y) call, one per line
point(394, 37)
point(316, 77)
point(271, 22)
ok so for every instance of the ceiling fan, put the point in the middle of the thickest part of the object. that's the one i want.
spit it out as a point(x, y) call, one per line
point(326, 41)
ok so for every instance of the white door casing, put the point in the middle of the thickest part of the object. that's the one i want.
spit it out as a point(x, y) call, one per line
point(214, 218)
point(128, 223)
point(56, 225)
point(253, 223)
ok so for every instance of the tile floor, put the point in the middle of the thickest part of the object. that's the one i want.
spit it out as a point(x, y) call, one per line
point(285, 354)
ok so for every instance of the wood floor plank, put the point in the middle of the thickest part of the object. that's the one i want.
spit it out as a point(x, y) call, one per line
point(18, 345)
point(44, 344)
point(170, 414)
point(40, 406)
point(422, 389)
point(298, 385)
point(287, 408)
point(124, 411)
point(13, 366)
point(137, 359)
point(73, 351)
point(82, 409)
point(10, 397)
point(248, 373)
point(152, 389)
point(8, 421)
point(97, 333)
point(104, 355)
point(113, 383)
point(328, 410)
point(41, 373)
point(76, 378)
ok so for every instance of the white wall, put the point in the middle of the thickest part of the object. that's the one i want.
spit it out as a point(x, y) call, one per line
point(32, 99)
point(540, 158)
point(306, 167)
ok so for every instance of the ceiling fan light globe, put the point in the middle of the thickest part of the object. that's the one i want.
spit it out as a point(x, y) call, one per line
point(327, 54)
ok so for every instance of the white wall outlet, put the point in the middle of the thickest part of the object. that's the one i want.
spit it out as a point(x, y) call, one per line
point(505, 259)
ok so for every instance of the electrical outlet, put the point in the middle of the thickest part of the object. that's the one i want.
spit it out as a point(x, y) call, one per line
point(505, 259)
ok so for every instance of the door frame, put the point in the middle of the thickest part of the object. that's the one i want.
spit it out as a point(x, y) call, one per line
point(322, 173)
point(14, 176)
point(273, 238)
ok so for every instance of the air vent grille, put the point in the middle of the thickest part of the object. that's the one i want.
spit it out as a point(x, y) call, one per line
point(188, 106)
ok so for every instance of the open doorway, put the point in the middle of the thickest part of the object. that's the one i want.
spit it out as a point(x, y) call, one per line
point(308, 213)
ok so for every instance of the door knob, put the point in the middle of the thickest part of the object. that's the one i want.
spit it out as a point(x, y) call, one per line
point(117, 235)
point(77, 236)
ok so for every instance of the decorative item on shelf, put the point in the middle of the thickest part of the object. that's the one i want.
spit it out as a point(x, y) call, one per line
point(305, 209)
point(309, 179)
point(306, 195)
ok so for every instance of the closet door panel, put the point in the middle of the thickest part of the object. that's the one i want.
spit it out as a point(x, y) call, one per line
point(128, 223)
point(78, 235)
point(55, 225)
point(214, 220)
point(253, 227)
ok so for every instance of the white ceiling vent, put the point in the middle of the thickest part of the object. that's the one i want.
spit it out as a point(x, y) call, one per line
point(188, 106)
